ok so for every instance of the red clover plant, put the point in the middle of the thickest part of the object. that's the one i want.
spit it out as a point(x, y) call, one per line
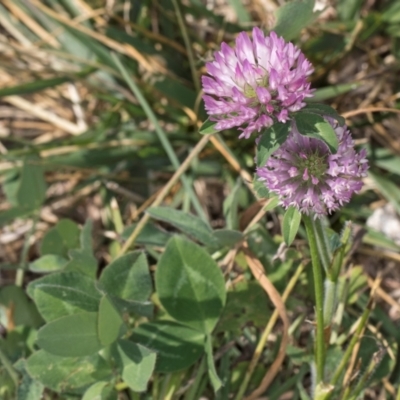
point(260, 86)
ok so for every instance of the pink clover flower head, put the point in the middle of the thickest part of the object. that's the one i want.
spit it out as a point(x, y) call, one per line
point(257, 83)
point(305, 174)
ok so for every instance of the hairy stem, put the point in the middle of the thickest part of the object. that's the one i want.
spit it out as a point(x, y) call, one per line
point(319, 297)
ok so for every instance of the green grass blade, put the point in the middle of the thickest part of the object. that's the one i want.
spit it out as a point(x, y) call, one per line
point(160, 133)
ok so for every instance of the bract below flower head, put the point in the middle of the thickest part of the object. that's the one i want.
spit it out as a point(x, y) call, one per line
point(305, 174)
point(257, 83)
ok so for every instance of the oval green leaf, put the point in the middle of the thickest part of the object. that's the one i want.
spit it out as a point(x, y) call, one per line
point(110, 322)
point(71, 336)
point(291, 223)
point(66, 373)
point(65, 293)
point(177, 346)
point(190, 285)
point(324, 110)
point(270, 141)
point(48, 263)
point(228, 237)
point(293, 16)
point(136, 363)
point(100, 391)
point(315, 126)
point(208, 128)
point(187, 223)
point(128, 277)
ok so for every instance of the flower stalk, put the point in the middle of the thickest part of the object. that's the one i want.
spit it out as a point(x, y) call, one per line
point(319, 298)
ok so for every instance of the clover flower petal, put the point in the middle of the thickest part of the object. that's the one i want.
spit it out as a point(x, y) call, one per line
point(305, 174)
point(256, 83)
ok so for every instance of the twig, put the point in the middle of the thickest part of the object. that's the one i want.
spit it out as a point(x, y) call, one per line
point(43, 114)
point(352, 113)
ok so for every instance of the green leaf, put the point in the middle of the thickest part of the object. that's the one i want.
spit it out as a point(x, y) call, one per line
point(32, 190)
point(85, 238)
point(273, 202)
point(82, 262)
point(127, 280)
point(388, 189)
point(136, 363)
point(29, 388)
point(313, 125)
point(10, 186)
point(292, 17)
point(241, 12)
point(176, 90)
point(384, 158)
point(270, 141)
point(324, 110)
point(41, 84)
point(177, 346)
point(12, 213)
point(246, 303)
point(230, 206)
point(212, 373)
point(149, 235)
point(100, 391)
point(208, 128)
point(260, 188)
point(65, 293)
point(187, 223)
point(227, 237)
point(190, 285)
point(61, 238)
point(290, 225)
point(24, 311)
point(392, 13)
point(378, 239)
point(71, 336)
point(66, 373)
point(349, 9)
point(48, 263)
point(331, 92)
point(128, 277)
point(110, 322)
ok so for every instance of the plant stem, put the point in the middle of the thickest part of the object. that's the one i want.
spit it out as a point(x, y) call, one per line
point(164, 386)
point(160, 133)
point(398, 394)
point(194, 388)
point(319, 297)
point(19, 277)
point(173, 385)
point(322, 243)
point(330, 299)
